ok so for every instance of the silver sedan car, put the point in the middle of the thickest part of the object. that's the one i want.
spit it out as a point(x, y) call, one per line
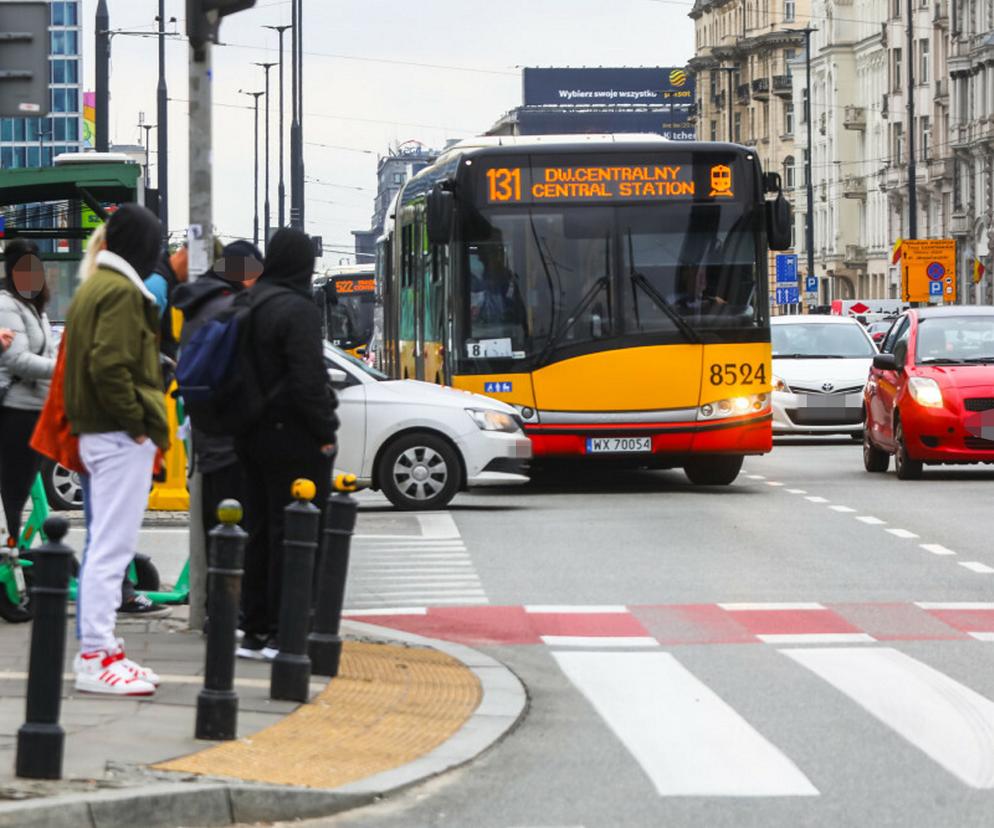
point(820, 365)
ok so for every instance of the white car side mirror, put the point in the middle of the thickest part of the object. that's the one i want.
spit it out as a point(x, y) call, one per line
point(337, 376)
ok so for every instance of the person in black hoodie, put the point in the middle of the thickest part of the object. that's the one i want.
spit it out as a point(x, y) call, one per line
point(200, 301)
point(296, 435)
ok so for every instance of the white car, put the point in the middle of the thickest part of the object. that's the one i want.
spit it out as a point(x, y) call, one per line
point(820, 365)
point(420, 443)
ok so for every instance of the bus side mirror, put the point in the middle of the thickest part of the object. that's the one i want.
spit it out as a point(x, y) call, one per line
point(440, 206)
point(779, 218)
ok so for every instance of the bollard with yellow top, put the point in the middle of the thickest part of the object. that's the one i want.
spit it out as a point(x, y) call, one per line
point(325, 642)
point(291, 674)
point(217, 703)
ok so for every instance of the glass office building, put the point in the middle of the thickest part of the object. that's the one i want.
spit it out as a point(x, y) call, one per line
point(33, 142)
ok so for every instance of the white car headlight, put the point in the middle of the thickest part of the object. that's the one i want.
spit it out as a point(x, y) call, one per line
point(489, 420)
point(926, 392)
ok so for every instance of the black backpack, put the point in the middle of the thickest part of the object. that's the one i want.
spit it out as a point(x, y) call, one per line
point(217, 375)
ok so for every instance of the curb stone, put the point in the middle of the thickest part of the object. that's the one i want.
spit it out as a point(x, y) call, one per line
point(215, 802)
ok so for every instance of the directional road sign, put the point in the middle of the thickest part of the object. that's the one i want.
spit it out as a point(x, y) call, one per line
point(787, 296)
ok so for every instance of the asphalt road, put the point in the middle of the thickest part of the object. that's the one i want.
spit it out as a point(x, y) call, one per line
point(812, 645)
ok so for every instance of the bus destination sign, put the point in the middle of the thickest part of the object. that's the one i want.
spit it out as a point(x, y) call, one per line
point(637, 182)
point(355, 285)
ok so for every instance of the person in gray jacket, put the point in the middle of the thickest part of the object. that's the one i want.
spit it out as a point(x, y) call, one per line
point(25, 372)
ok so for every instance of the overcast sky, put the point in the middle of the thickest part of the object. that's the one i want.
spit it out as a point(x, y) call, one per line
point(377, 72)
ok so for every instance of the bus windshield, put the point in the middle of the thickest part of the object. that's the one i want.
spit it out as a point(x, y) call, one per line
point(349, 305)
point(541, 278)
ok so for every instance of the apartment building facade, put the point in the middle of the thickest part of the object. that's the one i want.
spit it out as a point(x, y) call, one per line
point(861, 134)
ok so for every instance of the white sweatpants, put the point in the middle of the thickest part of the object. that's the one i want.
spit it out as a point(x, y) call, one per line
point(120, 476)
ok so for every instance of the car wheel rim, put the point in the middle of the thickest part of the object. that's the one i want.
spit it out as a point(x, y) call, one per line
point(67, 484)
point(420, 473)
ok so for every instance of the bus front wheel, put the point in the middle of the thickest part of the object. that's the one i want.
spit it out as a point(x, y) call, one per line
point(716, 470)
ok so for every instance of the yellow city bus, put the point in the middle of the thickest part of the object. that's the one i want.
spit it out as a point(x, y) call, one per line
point(612, 288)
point(347, 298)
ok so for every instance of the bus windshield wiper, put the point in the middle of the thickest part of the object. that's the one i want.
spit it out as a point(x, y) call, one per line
point(586, 300)
point(639, 279)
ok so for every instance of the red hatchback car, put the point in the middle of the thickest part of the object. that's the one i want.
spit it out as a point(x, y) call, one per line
point(930, 394)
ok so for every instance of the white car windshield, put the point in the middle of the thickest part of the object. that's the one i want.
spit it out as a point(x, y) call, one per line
point(358, 363)
point(820, 341)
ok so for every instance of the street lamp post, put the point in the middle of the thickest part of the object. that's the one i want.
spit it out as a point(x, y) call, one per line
point(162, 105)
point(912, 164)
point(809, 222)
point(255, 198)
point(266, 67)
point(148, 128)
point(281, 192)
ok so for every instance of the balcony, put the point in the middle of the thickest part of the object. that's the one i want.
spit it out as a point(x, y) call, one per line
point(719, 100)
point(742, 93)
point(854, 186)
point(783, 85)
point(941, 89)
point(940, 169)
point(761, 89)
point(854, 118)
point(855, 257)
point(940, 13)
point(959, 224)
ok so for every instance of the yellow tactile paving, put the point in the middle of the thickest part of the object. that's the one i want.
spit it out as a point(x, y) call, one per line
point(388, 706)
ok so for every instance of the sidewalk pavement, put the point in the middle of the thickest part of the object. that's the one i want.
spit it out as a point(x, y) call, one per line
point(403, 708)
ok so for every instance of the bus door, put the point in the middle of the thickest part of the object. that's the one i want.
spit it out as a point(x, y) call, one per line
point(406, 334)
point(421, 275)
point(435, 314)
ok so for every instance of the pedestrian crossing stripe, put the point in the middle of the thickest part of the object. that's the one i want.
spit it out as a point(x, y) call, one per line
point(689, 741)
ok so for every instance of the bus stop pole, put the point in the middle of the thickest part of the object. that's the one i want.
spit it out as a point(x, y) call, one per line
point(200, 252)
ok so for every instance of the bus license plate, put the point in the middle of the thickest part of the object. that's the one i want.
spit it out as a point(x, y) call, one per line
point(618, 445)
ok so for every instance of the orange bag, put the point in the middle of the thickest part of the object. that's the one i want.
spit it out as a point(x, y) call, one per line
point(53, 437)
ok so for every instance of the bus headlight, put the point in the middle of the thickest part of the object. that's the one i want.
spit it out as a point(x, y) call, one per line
point(489, 420)
point(926, 392)
point(734, 407)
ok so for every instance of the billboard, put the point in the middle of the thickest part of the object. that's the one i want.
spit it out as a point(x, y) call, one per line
point(673, 123)
point(928, 268)
point(607, 87)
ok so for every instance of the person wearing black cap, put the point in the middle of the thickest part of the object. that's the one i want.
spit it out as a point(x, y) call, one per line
point(114, 402)
point(296, 435)
point(237, 269)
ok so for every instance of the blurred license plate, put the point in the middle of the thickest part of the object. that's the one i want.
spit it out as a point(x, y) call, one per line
point(618, 445)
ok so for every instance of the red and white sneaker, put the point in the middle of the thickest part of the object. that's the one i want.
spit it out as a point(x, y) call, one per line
point(143, 673)
point(107, 673)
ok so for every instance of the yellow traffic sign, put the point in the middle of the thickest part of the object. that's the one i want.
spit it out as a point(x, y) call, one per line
point(928, 270)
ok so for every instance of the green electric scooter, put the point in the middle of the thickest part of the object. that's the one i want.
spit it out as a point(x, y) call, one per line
point(15, 563)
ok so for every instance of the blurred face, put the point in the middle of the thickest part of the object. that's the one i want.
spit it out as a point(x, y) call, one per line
point(29, 276)
point(245, 269)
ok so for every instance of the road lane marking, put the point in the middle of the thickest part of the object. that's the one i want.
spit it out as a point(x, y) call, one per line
point(982, 636)
point(937, 549)
point(746, 607)
point(755, 477)
point(871, 520)
point(388, 611)
point(687, 739)
point(773, 483)
point(438, 526)
point(844, 509)
point(817, 638)
point(976, 566)
point(594, 608)
point(599, 641)
point(955, 605)
point(901, 533)
point(952, 724)
point(797, 491)
point(816, 499)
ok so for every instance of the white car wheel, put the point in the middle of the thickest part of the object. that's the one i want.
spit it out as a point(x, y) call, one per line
point(419, 471)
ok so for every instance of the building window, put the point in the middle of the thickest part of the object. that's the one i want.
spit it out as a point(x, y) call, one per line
point(896, 71)
point(714, 130)
point(923, 60)
point(926, 136)
point(804, 106)
point(804, 171)
point(737, 131)
point(898, 148)
point(789, 8)
point(398, 178)
point(789, 172)
point(788, 57)
point(788, 118)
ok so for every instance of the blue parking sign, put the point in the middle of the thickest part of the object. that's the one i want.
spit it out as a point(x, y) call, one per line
point(811, 284)
point(935, 288)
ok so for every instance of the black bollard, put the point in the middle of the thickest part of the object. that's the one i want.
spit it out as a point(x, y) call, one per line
point(41, 739)
point(291, 674)
point(325, 642)
point(217, 703)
